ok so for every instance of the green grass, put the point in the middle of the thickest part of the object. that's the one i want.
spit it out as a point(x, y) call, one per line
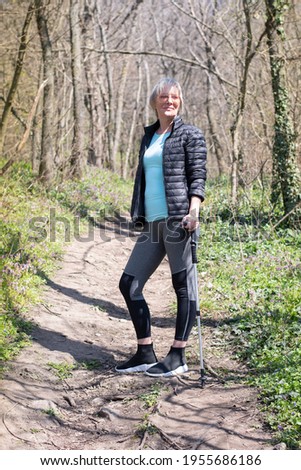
point(251, 284)
point(98, 194)
point(150, 398)
point(24, 263)
point(35, 229)
point(62, 370)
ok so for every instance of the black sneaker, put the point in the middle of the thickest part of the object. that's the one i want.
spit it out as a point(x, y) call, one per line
point(144, 358)
point(173, 364)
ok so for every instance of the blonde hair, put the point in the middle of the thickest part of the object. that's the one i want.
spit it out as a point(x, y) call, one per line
point(159, 87)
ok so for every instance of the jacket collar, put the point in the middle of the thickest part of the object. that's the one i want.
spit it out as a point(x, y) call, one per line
point(150, 130)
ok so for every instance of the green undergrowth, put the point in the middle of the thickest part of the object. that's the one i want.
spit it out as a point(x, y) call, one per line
point(24, 262)
point(36, 226)
point(250, 276)
point(98, 194)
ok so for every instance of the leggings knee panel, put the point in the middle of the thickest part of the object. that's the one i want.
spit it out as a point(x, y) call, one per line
point(179, 282)
point(186, 311)
point(129, 287)
point(137, 306)
point(125, 284)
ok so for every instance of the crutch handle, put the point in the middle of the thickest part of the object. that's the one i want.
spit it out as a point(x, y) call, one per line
point(193, 242)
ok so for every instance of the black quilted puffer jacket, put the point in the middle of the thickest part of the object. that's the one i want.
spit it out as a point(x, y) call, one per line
point(184, 169)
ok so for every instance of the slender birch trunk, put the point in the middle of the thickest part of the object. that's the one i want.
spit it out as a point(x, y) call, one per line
point(78, 158)
point(46, 167)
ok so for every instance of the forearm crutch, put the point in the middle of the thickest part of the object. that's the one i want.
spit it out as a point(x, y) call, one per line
point(193, 241)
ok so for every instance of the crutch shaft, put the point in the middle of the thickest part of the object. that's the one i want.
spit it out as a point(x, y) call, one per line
point(193, 240)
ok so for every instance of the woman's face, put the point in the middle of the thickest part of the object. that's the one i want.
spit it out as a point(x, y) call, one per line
point(167, 103)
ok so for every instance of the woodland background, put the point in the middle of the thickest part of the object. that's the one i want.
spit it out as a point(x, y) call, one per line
point(76, 76)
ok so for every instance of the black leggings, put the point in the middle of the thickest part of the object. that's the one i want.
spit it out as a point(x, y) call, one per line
point(160, 238)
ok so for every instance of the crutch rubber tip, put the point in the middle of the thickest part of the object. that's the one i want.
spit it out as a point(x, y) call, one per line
point(203, 378)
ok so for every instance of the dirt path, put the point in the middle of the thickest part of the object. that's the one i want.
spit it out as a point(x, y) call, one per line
point(83, 322)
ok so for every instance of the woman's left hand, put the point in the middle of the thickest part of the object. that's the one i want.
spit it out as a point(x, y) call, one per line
point(190, 223)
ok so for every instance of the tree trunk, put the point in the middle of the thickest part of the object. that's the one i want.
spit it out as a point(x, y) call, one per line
point(250, 52)
point(119, 109)
point(209, 100)
point(96, 136)
point(46, 168)
point(147, 93)
point(16, 77)
point(78, 159)
point(92, 67)
point(125, 167)
point(36, 134)
point(108, 98)
point(287, 179)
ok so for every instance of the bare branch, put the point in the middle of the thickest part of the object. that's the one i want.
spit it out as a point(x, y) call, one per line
point(18, 147)
point(188, 61)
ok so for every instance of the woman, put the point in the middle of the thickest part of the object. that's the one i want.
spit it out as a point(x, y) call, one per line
point(168, 191)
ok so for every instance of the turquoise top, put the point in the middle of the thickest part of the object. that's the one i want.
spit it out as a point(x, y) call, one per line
point(154, 196)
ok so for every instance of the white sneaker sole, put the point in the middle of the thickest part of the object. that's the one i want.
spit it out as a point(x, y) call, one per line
point(131, 370)
point(178, 371)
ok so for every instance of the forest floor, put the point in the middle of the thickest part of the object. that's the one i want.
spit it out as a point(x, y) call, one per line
point(82, 329)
